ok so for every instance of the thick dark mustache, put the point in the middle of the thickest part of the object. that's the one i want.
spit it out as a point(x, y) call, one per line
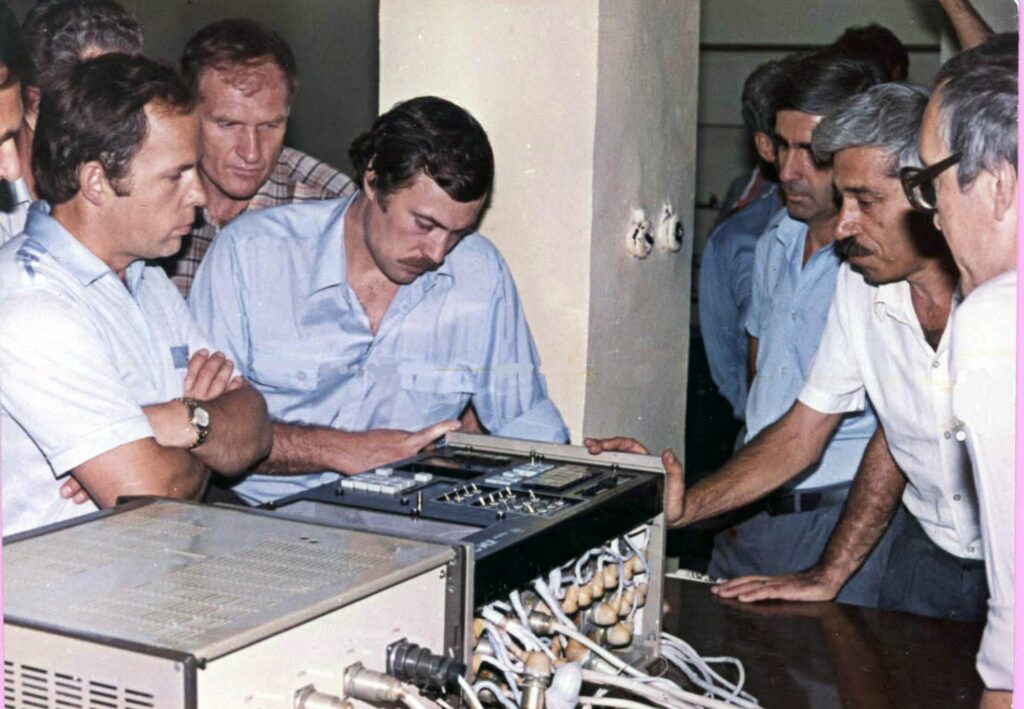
point(797, 187)
point(850, 248)
point(420, 264)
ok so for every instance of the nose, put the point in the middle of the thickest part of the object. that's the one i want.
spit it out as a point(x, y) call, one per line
point(788, 164)
point(248, 147)
point(846, 222)
point(10, 164)
point(435, 249)
point(196, 193)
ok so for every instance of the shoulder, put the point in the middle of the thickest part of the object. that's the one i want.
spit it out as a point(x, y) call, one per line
point(26, 267)
point(477, 259)
point(308, 178)
point(286, 226)
point(988, 314)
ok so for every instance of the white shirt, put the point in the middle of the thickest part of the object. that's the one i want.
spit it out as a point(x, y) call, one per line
point(984, 351)
point(12, 223)
point(80, 355)
point(874, 343)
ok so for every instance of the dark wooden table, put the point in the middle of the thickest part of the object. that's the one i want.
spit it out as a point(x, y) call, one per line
point(824, 655)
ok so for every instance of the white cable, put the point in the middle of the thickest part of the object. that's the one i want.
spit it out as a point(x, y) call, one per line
point(410, 697)
point(675, 695)
point(496, 691)
point(469, 694)
point(732, 691)
point(555, 606)
point(600, 701)
point(600, 651)
point(517, 604)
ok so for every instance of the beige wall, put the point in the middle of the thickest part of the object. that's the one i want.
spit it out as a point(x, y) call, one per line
point(586, 105)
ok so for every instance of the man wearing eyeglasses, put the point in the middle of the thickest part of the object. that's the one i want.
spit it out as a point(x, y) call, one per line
point(969, 145)
point(886, 339)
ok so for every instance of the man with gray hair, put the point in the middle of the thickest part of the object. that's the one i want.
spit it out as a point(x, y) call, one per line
point(885, 339)
point(971, 125)
point(59, 34)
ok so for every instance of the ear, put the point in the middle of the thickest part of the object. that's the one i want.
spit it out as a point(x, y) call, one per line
point(93, 184)
point(30, 95)
point(369, 182)
point(1004, 191)
point(763, 144)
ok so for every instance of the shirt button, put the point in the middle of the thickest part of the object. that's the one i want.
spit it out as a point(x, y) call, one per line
point(956, 497)
point(947, 435)
point(970, 549)
point(936, 364)
point(794, 316)
point(301, 376)
point(961, 436)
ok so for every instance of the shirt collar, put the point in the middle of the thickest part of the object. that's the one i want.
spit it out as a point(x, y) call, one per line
point(787, 230)
point(893, 299)
point(19, 191)
point(331, 268)
point(55, 240)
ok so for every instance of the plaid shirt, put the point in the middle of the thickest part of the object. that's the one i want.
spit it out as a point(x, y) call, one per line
point(297, 177)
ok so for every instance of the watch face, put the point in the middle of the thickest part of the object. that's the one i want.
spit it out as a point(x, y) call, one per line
point(201, 416)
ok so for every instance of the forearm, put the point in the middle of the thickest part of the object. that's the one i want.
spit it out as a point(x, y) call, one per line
point(971, 30)
point(872, 502)
point(240, 432)
point(299, 449)
point(775, 456)
point(143, 468)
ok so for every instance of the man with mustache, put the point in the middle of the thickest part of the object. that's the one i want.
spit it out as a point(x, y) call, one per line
point(795, 267)
point(887, 339)
point(364, 318)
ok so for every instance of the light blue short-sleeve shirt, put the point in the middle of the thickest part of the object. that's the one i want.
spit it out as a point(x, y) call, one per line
point(789, 308)
point(81, 352)
point(725, 280)
point(273, 292)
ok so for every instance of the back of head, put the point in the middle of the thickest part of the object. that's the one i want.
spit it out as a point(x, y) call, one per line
point(429, 135)
point(977, 93)
point(819, 82)
point(61, 33)
point(97, 112)
point(757, 99)
point(234, 43)
point(15, 64)
point(877, 44)
point(887, 116)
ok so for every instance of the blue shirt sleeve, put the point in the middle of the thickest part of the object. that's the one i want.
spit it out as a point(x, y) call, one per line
point(216, 300)
point(757, 295)
point(512, 398)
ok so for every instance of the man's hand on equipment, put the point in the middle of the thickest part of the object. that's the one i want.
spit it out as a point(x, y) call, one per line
point(385, 445)
point(815, 584)
point(675, 486)
point(620, 444)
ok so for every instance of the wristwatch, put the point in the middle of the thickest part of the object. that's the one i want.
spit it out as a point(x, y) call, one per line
point(199, 418)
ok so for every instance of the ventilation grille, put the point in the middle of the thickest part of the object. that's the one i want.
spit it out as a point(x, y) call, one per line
point(28, 687)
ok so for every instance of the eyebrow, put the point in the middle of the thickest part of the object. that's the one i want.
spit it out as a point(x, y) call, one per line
point(859, 191)
point(468, 229)
point(779, 140)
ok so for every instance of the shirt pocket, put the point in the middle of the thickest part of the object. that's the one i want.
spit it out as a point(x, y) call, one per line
point(284, 370)
point(429, 378)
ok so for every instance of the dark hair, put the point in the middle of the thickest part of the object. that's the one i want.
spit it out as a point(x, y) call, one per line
point(97, 112)
point(429, 135)
point(15, 65)
point(977, 94)
point(877, 44)
point(237, 42)
point(60, 33)
point(757, 99)
point(819, 82)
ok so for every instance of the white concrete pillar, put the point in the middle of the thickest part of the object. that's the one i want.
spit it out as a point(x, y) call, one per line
point(591, 108)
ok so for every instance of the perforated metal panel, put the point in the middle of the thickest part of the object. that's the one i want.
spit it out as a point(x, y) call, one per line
point(197, 580)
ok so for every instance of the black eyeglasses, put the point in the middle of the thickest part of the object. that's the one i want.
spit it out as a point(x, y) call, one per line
point(918, 185)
